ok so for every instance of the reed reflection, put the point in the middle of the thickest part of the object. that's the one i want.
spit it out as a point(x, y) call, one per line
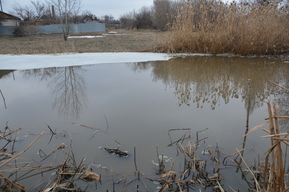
point(67, 85)
point(213, 80)
point(5, 73)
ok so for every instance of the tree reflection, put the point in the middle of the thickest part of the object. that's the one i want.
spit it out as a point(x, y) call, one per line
point(213, 80)
point(68, 86)
point(69, 89)
point(41, 74)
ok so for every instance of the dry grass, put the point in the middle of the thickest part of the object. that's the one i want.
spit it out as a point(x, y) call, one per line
point(123, 41)
point(215, 27)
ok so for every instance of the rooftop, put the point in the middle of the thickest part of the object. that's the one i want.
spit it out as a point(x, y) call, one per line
point(4, 15)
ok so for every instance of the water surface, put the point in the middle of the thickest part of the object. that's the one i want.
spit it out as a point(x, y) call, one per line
point(135, 104)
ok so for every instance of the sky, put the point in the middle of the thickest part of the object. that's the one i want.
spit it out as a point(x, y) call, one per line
point(99, 8)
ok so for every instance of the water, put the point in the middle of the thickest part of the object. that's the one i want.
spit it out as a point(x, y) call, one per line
point(133, 105)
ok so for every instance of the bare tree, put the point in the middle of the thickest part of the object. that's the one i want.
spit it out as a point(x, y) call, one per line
point(144, 18)
point(107, 18)
point(66, 10)
point(159, 16)
point(39, 8)
point(26, 13)
point(33, 13)
point(127, 20)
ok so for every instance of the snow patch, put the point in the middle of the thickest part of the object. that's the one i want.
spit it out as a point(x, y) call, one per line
point(22, 62)
point(78, 37)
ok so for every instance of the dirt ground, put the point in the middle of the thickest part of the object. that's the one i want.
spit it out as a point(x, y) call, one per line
point(113, 40)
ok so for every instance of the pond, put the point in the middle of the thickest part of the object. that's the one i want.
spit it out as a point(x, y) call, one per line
point(140, 109)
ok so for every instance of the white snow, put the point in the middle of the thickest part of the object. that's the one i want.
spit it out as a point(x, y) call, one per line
point(96, 36)
point(88, 36)
point(22, 62)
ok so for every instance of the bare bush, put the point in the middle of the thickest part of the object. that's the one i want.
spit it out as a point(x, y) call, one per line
point(19, 31)
point(127, 20)
point(143, 19)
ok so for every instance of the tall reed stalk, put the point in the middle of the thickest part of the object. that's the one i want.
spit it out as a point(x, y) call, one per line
point(270, 175)
point(275, 179)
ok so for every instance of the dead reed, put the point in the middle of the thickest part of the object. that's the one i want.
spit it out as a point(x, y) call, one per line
point(69, 173)
point(269, 174)
point(14, 169)
point(195, 173)
point(272, 173)
point(8, 154)
point(215, 27)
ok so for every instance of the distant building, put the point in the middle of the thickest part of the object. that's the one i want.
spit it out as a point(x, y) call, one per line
point(89, 18)
point(9, 20)
point(10, 25)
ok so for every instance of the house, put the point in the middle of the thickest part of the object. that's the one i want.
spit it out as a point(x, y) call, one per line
point(89, 18)
point(9, 20)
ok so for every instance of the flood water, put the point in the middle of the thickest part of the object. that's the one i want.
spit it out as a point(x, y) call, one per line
point(133, 105)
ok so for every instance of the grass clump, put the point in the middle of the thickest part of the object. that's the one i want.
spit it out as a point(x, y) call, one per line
point(215, 27)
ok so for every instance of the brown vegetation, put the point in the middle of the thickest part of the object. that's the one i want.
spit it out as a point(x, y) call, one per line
point(123, 41)
point(194, 26)
point(215, 27)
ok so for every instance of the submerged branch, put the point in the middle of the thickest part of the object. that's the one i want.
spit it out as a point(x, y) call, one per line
point(3, 99)
point(279, 85)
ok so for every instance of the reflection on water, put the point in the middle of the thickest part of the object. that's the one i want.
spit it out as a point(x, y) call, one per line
point(210, 80)
point(5, 73)
point(141, 101)
point(67, 86)
point(196, 80)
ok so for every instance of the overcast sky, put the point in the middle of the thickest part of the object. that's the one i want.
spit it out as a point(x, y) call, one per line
point(99, 8)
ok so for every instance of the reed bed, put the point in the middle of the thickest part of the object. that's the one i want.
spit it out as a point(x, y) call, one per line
point(215, 27)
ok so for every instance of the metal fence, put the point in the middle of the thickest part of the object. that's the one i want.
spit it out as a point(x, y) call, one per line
point(55, 28)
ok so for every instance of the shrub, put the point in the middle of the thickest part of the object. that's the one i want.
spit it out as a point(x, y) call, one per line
point(19, 31)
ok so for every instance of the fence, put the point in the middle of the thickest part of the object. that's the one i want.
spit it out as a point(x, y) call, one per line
point(55, 28)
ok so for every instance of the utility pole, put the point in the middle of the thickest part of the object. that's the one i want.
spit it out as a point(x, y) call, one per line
point(1, 5)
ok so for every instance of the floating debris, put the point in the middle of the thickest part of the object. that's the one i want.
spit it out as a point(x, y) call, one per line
point(61, 146)
point(90, 176)
point(117, 152)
